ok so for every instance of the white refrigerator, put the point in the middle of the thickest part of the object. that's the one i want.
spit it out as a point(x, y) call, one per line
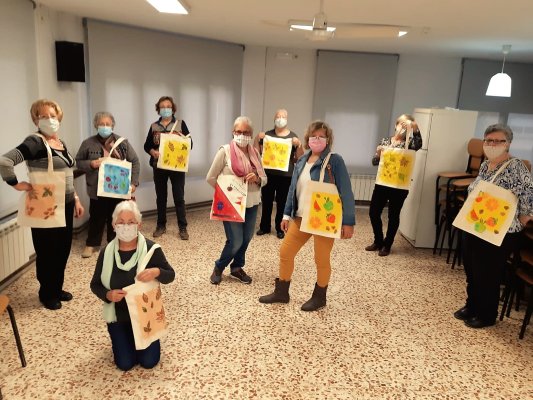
point(445, 135)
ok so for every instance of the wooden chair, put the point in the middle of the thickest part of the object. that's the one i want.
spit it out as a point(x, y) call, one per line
point(4, 305)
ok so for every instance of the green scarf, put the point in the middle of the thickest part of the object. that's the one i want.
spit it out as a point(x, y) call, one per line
point(112, 256)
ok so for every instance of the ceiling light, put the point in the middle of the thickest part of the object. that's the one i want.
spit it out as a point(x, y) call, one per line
point(169, 6)
point(402, 33)
point(309, 27)
point(500, 84)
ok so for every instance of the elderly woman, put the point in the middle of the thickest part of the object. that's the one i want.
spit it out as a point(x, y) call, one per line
point(484, 262)
point(88, 159)
point(241, 159)
point(394, 196)
point(52, 245)
point(116, 268)
point(166, 108)
point(319, 139)
point(278, 181)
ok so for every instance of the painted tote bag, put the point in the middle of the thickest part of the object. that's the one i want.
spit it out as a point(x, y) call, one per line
point(488, 211)
point(174, 151)
point(322, 206)
point(44, 205)
point(114, 176)
point(145, 305)
point(396, 166)
point(229, 200)
point(276, 153)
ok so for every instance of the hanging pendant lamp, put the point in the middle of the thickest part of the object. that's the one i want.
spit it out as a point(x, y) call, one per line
point(500, 84)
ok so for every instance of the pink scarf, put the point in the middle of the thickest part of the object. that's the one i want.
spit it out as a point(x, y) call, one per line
point(240, 163)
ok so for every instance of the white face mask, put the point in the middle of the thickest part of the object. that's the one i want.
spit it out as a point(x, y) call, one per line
point(125, 232)
point(242, 140)
point(493, 152)
point(48, 126)
point(280, 122)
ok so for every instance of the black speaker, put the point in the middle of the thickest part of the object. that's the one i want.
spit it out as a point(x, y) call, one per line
point(70, 62)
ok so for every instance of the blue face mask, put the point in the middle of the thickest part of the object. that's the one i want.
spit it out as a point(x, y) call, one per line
point(165, 112)
point(105, 131)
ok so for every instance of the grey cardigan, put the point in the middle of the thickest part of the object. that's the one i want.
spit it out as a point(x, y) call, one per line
point(91, 149)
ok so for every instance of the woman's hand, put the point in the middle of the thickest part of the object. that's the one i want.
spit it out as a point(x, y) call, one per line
point(95, 164)
point(154, 153)
point(78, 208)
point(525, 219)
point(23, 186)
point(284, 225)
point(261, 135)
point(115, 295)
point(133, 188)
point(296, 142)
point(346, 232)
point(379, 149)
point(252, 177)
point(149, 274)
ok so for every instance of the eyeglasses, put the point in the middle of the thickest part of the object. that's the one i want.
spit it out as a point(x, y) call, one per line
point(494, 142)
point(242, 132)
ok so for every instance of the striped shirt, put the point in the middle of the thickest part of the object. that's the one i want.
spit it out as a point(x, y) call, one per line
point(33, 151)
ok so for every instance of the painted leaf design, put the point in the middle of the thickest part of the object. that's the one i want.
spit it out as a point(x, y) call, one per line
point(152, 305)
point(158, 294)
point(160, 316)
point(145, 297)
point(144, 309)
point(147, 328)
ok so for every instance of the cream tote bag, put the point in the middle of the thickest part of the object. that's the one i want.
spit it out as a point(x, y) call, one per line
point(114, 176)
point(145, 306)
point(322, 206)
point(44, 205)
point(396, 166)
point(276, 153)
point(488, 211)
point(174, 151)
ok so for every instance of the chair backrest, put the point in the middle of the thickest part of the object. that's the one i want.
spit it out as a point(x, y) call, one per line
point(527, 164)
point(476, 155)
point(4, 302)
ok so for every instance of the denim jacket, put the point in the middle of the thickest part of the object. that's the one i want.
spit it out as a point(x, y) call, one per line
point(342, 181)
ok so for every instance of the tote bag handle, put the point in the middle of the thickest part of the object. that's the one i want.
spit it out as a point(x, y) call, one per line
point(49, 151)
point(501, 169)
point(323, 169)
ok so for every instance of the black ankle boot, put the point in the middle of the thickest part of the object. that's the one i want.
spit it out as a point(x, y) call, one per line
point(317, 300)
point(280, 294)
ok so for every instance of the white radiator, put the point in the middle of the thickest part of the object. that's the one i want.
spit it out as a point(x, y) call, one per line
point(362, 186)
point(15, 247)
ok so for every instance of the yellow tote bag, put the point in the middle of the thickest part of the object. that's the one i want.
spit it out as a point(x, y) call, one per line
point(276, 153)
point(174, 151)
point(44, 205)
point(396, 166)
point(488, 211)
point(322, 207)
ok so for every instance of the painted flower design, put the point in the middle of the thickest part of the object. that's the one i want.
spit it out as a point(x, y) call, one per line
point(492, 204)
point(315, 222)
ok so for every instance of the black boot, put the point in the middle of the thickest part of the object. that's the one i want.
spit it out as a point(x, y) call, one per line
point(317, 300)
point(280, 295)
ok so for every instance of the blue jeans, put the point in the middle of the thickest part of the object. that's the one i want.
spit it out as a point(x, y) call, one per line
point(123, 343)
point(238, 237)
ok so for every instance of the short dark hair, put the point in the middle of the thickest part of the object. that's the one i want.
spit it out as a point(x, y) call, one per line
point(500, 128)
point(163, 98)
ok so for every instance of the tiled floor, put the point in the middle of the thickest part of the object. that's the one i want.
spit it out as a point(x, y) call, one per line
point(386, 333)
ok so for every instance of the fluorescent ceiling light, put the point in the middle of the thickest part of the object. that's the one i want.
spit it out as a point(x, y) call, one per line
point(169, 6)
point(402, 33)
point(310, 28)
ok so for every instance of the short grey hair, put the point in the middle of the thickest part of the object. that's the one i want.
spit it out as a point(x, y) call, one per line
point(127, 205)
point(103, 114)
point(243, 120)
point(500, 128)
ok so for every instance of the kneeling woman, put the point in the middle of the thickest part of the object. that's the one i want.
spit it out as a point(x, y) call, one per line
point(115, 269)
point(319, 138)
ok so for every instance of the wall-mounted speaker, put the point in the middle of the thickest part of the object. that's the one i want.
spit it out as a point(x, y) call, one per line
point(70, 62)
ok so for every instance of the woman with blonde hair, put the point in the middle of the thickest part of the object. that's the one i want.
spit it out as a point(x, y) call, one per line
point(318, 142)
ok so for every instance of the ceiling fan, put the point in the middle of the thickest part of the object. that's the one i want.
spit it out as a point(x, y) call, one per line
point(321, 29)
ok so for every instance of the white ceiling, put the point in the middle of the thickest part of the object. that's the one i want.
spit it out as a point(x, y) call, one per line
point(464, 28)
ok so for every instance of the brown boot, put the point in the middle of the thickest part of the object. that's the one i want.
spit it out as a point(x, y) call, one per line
point(317, 300)
point(280, 294)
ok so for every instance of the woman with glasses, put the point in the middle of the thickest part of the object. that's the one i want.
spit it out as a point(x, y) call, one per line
point(90, 155)
point(115, 269)
point(241, 159)
point(484, 262)
point(383, 194)
point(319, 139)
point(52, 245)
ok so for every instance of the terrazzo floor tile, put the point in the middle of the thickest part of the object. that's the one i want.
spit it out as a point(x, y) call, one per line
point(386, 333)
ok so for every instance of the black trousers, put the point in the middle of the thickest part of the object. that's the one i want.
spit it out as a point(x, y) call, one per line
point(277, 187)
point(177, 180)
point(101, 211)
point(380, 196)
point(484, 267)
point(52, 248)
